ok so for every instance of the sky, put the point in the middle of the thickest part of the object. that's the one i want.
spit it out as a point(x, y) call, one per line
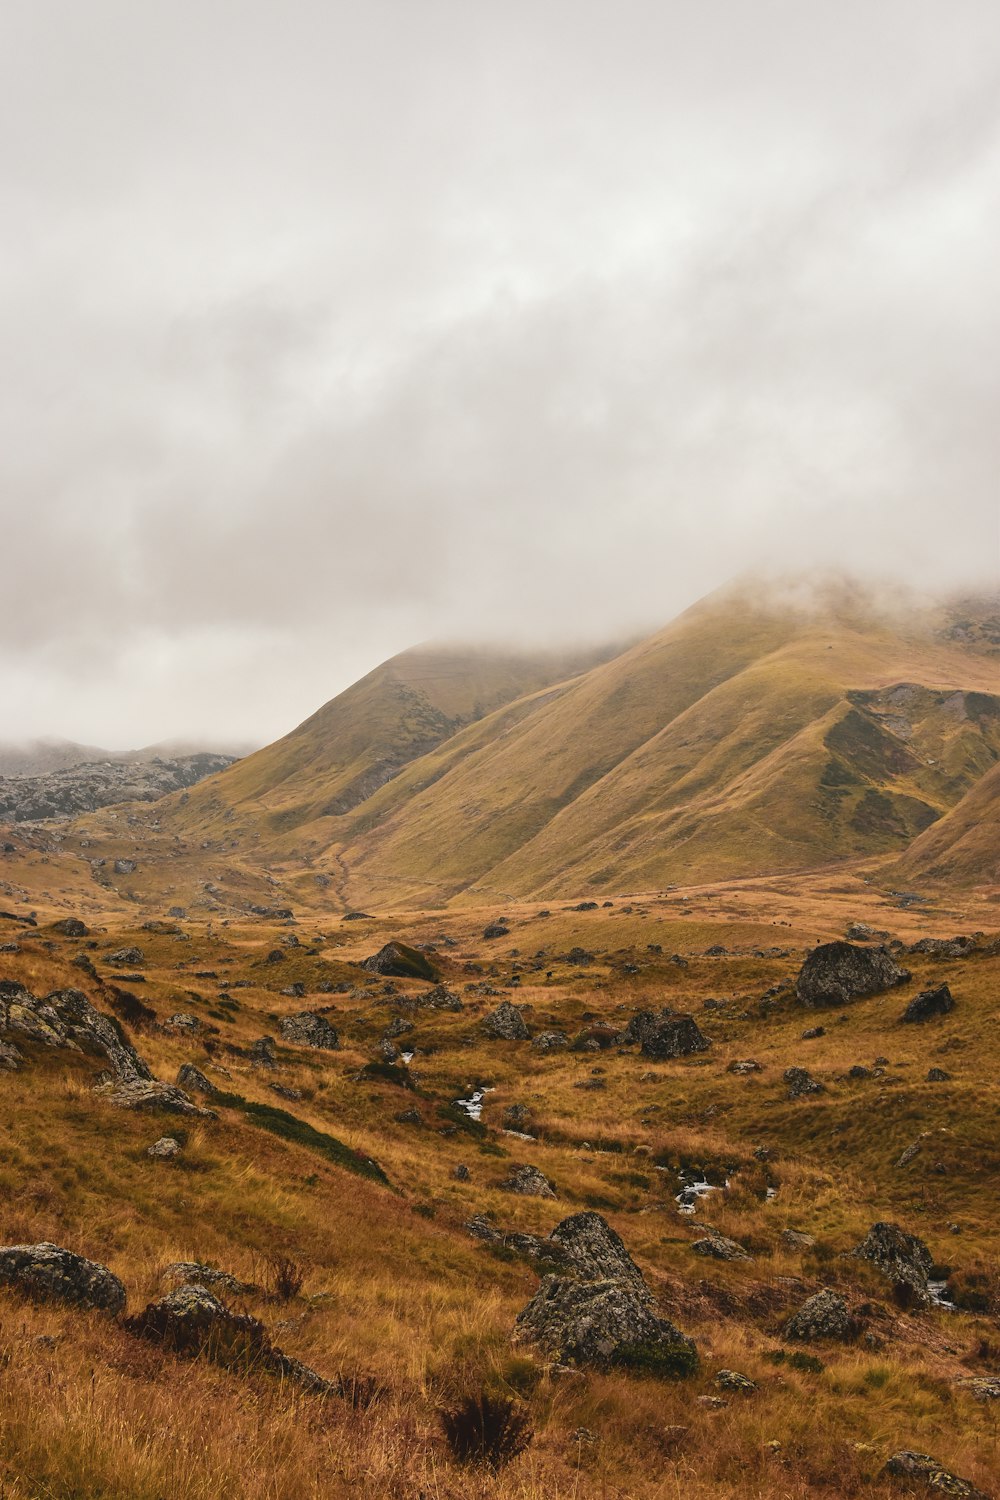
point(332, 326)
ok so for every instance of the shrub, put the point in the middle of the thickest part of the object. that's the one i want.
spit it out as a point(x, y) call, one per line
point(285, 1277)
point(487, 1431)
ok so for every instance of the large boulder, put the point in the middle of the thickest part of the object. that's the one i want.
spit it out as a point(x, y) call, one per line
point(719, 1246)
point(597, 1309)
point(190, 1077)
point(936, 1002)
point(506, 1023)
point(152, 1095)
point(908, 1465)
point(836, 973)
point(400, 961)
point(903, 1257)
point(822, 1316)
point(71, 927)
point(66, 1018)
point(529, 1181)
point(47, 1271)
point(310, 1030)
point(666, 1035)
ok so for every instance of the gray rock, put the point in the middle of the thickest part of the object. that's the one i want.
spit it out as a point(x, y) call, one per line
point(902, 1257)
point(151, 1095)
point(744, 1065)
point(126, 956)
point(66, 1018)
point(801, 1082)
point(550, 1041)
point(310, 1030)
point(666, 1035)
point(71, 927)
point(400, 961)
point(823, 1316)
point(732, 1380)
point(929, 1003)
point(208, 1276)
point(528, 1181)
point(263, 1053)
point(164, 1148)
point(937, 1075)
point(189, 1077)
point(836, 973)
point(908, 1465)
point(10, 1058)
point(506, 1023)
point(719, 1247)
point(796, 1239)
point(47, 1271)
point(604, 1324)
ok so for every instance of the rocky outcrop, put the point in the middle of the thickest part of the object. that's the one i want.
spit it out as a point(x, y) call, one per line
point(78, 789)
point(71, 927)
point(151, 1095)
point(929, 1003)
point(801, 1083)
point(598, 1310)
point(837, 973)
point(399, 961)
point(908, 1465)
point(310, 1030)
point(549, 1041)
point(902, 1257)
point(66, 1018)
point(529, 1181)
point(506, 1023)
point(207, 1276)
point(823, 1316)
point(192, 1078)
point(164, 1148)
point(666, 1035)
point(192, 1321)
point(47, 1271)
point(718, 1246)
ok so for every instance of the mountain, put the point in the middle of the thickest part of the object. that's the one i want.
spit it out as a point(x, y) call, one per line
point(757, 733)
point(963, 847)
point(39, 757)
point(75, 789)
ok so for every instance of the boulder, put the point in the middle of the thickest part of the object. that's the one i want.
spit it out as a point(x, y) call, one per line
point(903, 1257)
point(801, 1082)
point(207, 1276)
point(719, 1247)
point(529, 1181)
point(935, 1002)
point(151, 1095)
point(190, 1077)
point(10, 1058)
point(549, 1041)
point(836, 973)
point(47, 1271)
point(123, 956)
point(604, 1324)
point(496, 930)
point(506, 1023)
point(908, 1465)
point(822, 1316)
point(164, 1148)
point(732, 1380)
point(66, 1018)
point(744, 1065)
point(309, 1030)
point(263, 1053)
point(587, 1245)
point(399, 961)
point(71, 927)
point(665, 1035)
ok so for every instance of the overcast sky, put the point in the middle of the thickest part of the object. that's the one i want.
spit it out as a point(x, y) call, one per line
point(331, 327)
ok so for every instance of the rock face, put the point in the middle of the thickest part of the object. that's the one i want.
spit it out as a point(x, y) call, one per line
point(47, 1271)
point(666, 1035)
point(192, 1321)
point(598, 1310)
point(66, 1018)
point(836, 973)
point(823, 1316)
point(908, 1465)
point(903, 1257)
point(936, 1002)
point(310, 1030)
point(529, 1181)
point(506, 1023)
point(399, 961)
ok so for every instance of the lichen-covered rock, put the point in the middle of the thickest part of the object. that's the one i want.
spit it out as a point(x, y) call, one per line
point(71, 927)
point(123, 956)
point(822, 1316)
point(208, 1276)
point(506, 1023)
point(143, 1095)
point(732, 1380)
point(310, 1030)
point(263, 1053)
point(47, 1271)
point(908, 1465)
point(66, 1018)
point(587, 1245)
point(189, 1077)
point(400, 961)
point(496, 930)
point(529, 1181)
point(605, 1324)
point(164, 1148)
point(550, 1041)
point(836, 973)
point(666, 1035)
point(719, 1247)
point(936, 1002)
point(10, 1058)
point(903, 1257)
point(801, 1082)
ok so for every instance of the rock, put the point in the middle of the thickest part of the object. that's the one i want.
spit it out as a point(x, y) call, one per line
point(440, 998)
point(207, 1276)
point(813, 1033)
point(860, 932)
point(284, 1092)
point(732, 1380)
point(142, 1095)
point(506, 1023)
point(549, 1041)
point(190, 1077)
point(909, 1152)
point(796, 1239)
point(183, 1021)
point(10, 1058)
point(956, 947)
point(125, 867)
point(47, 1271)
point(903, 1257)
point(860, 1072)
point(496, 930)
point(165, 1147)
point(937, 1075)
point(983, 1387)
point(587, 1245)
point(71, 927)
point(712, 1403)
point(66, 1018)
point(529, 1181)
point(718, 1247)
point(908, 1465)
point(192, 1321)
point(822, 1316)
point(461, 1173)
point(666, 1035)
point(516, 1117)
point(357, 916)
point(263, 1053)
point(605, 1324)
point(801, 1082)
point(836, 973)
point(310, 1030)
point(122, 956)
point(936, 1002)
point(744, 1065)
point(400, 961)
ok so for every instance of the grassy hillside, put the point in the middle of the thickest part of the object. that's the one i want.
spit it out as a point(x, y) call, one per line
point(964, 847)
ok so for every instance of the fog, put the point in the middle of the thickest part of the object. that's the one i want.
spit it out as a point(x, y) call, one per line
point(333, 327)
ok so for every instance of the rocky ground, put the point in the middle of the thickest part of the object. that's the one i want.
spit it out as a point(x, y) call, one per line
point(82, 788)
point(686, 1192)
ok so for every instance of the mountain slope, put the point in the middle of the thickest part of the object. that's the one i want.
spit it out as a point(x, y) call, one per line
point(964, 847)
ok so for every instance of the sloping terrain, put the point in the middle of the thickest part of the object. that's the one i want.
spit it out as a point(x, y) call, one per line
point(71, 790)
point(964, 847)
